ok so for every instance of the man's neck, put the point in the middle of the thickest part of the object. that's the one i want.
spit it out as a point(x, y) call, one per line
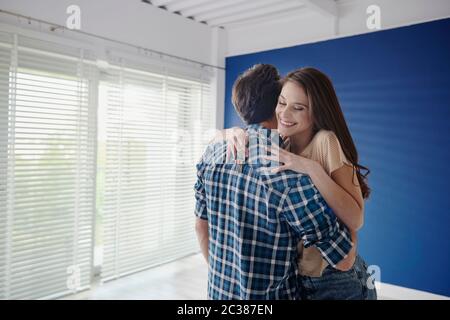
point(269, 124)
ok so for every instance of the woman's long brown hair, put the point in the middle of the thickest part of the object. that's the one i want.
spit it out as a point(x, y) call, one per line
point(327, 114)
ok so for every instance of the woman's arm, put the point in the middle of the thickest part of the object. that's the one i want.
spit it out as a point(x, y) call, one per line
point(340, 191)
point(351, 209)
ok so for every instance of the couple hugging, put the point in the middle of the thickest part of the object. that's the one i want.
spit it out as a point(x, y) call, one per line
point(279, 203)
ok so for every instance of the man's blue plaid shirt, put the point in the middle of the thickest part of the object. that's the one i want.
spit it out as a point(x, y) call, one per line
point(256, 219)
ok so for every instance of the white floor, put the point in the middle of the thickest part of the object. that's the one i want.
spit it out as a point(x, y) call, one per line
point(186, 279)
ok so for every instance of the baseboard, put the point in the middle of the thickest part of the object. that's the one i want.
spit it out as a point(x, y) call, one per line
point(386, 291)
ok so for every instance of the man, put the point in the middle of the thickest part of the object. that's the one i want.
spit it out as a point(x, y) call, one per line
point(249, 220)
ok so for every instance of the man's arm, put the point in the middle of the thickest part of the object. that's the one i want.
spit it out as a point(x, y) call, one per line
point(201, 223)
point(312, 219)
point(201, 228)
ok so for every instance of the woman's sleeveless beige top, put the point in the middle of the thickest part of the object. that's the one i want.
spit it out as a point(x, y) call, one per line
point(325, 149)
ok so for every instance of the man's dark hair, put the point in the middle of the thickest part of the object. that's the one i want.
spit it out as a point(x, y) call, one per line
point(255, 93)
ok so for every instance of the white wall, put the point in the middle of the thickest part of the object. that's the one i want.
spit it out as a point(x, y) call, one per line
point(130, 21)
point(288, 30)
point(219, 42)
point(282, 32)
point(137, 23)
point(144, 25)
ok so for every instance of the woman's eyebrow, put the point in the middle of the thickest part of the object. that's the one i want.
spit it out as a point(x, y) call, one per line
point(296, 103)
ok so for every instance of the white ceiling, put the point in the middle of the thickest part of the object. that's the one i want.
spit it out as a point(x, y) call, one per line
point(228, 13)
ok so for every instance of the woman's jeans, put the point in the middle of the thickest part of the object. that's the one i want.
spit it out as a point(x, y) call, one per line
point(339, 285)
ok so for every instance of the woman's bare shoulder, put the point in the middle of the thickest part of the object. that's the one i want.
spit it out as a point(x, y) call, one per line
point(329, 150)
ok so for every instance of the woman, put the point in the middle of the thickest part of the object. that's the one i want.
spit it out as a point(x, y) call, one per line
point(320, 145)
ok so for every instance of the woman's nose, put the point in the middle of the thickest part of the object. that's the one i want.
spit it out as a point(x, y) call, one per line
point(285, 113)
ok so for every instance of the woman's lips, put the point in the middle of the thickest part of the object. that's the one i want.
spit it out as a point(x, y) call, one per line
point(287, 124)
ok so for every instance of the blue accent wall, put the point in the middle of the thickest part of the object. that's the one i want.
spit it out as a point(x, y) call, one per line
point(394, 89)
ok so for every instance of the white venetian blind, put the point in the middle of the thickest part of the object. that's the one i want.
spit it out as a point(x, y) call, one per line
point(152, 136)
point(47, 162)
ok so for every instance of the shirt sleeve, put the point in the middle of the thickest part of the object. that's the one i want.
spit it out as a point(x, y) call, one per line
point(313, 221)
point(331, 155)
point(200, 196)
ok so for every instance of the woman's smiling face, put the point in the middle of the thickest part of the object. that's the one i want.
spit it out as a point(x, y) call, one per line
point(293, 111)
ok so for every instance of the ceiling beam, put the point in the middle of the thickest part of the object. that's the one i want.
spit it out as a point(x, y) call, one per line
point(231, 10)
point(185, 4)
point(286, 16)
point(160, 3)
point(210, 7)
point(257, 13)
point(324, 7)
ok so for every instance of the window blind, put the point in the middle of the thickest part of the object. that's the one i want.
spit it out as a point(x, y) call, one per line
point(153, 130)
point(47, 160)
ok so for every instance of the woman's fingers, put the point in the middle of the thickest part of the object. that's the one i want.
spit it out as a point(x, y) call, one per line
point(274, 169)
point(279, 154)
point(274, 149)
point(272, 158)
point(271, 150)
point(240, 142)
point(240, 135)
point(280, 168)
point(241, 147)
point(279, 150)
point(236, 144)
point(280, 157)
point(239, 152)
point(234, 147)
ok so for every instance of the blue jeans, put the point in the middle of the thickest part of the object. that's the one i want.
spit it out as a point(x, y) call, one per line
point(338, 285)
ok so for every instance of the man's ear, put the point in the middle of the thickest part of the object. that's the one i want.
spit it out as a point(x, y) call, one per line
point(270, 123)
point(273, 122)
